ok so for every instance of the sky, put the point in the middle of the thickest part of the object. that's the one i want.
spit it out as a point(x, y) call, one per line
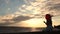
point(28, 13)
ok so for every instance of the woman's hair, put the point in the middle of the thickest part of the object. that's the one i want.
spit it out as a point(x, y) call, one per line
point(48, 16)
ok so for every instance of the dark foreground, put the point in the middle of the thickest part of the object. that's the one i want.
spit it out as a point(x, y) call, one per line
point(22, 30)
point(53, 32)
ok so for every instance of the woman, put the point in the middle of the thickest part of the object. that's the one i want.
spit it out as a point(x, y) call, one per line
point(48, 22)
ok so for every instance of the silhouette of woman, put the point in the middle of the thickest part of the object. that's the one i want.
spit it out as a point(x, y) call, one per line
point(48, 22)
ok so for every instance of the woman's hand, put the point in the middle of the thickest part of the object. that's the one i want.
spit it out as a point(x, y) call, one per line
point(44, 21)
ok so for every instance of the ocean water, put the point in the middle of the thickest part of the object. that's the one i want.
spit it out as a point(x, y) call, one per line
point(18, 29)
point(21, 29)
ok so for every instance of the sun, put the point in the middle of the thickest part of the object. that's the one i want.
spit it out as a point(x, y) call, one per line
point(35, 22)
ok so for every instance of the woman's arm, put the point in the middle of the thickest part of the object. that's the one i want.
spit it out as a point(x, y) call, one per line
point(45, 22)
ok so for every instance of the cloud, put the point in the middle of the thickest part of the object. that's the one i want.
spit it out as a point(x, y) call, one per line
point(53, 7)
point(11, 19)
point(33, 9)
point(15, 18)
point(21, 18)
point(39, 7)
point(5, 20)
point(7, 1)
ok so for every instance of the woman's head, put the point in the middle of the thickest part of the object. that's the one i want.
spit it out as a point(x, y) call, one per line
point(48, 16)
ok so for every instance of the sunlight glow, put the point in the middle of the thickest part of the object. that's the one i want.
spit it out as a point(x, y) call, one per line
point(35, 22)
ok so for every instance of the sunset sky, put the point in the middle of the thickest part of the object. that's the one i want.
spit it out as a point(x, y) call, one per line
point(28, 13)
